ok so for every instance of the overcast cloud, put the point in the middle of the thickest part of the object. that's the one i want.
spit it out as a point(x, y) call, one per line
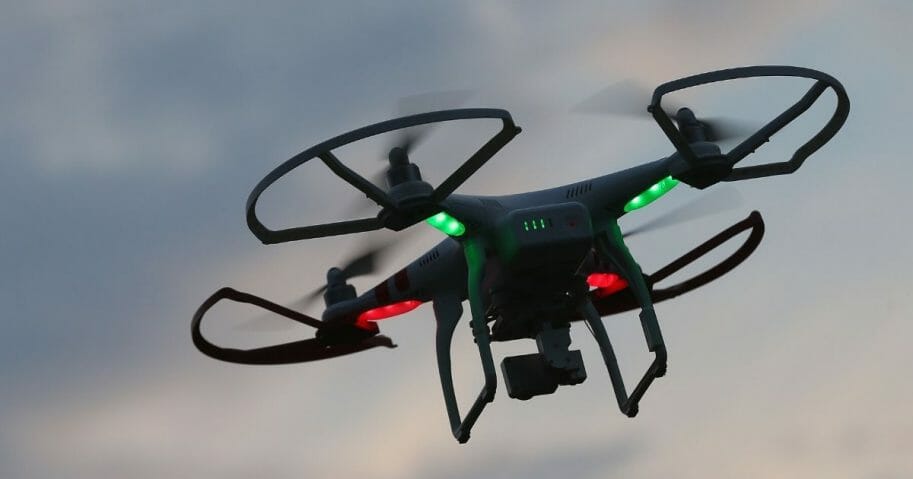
point(131, 135)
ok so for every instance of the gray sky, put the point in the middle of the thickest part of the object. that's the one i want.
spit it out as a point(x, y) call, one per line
point(131, 135)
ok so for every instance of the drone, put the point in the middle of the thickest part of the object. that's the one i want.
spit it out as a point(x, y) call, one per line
point(529, 264)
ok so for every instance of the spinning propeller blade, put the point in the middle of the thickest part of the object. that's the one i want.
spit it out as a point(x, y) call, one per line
point(409, 138)
point(625, 98)
point(363, 262)
point(724, 128)
point(629, 98)
point(717, 201)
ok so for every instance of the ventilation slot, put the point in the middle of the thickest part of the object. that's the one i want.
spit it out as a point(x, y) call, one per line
point(578, 190)
point(428, 258)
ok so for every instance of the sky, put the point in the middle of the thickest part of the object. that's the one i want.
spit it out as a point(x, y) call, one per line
point(132, 133)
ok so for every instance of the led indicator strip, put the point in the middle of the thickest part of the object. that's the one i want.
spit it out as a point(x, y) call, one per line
point(651, 194)
point(606, 283)
point(447, 224)
point(536, 224)
point(387, 311)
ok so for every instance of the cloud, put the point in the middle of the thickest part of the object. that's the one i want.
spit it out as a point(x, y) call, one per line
point(133, 135)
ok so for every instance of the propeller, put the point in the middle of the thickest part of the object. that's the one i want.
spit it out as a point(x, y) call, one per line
point(362, 262)
point(407, 139)
point(629, 98)
point(717, 201)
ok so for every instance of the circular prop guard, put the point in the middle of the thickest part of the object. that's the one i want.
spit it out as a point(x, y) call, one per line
point(287, 353)
point(391, 213)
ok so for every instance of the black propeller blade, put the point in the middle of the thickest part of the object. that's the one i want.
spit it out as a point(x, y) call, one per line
point(409, 138)
point(718, 128)
point(625, 98)
point(629, 98)
point(717, 201)
point(363, 262)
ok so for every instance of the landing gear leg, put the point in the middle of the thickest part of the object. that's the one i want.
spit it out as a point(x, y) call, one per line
point(448, 310)
point(610, 246)
point(627, 404)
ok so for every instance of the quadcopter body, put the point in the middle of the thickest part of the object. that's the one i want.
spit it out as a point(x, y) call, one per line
point(530, 264)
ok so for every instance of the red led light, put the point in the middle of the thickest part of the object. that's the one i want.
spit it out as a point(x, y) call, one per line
point(387, 311)
point(606, 283)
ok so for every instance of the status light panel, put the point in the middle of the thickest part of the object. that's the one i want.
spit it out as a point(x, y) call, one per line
point(537, 224)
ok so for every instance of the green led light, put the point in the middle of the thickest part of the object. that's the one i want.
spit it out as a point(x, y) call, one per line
point(660, 188)
point(542, 223)
point(446, 224)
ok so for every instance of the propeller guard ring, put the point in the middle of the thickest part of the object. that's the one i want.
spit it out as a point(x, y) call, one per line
point(301, 351)
point(749, 145)
point(391, 213)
